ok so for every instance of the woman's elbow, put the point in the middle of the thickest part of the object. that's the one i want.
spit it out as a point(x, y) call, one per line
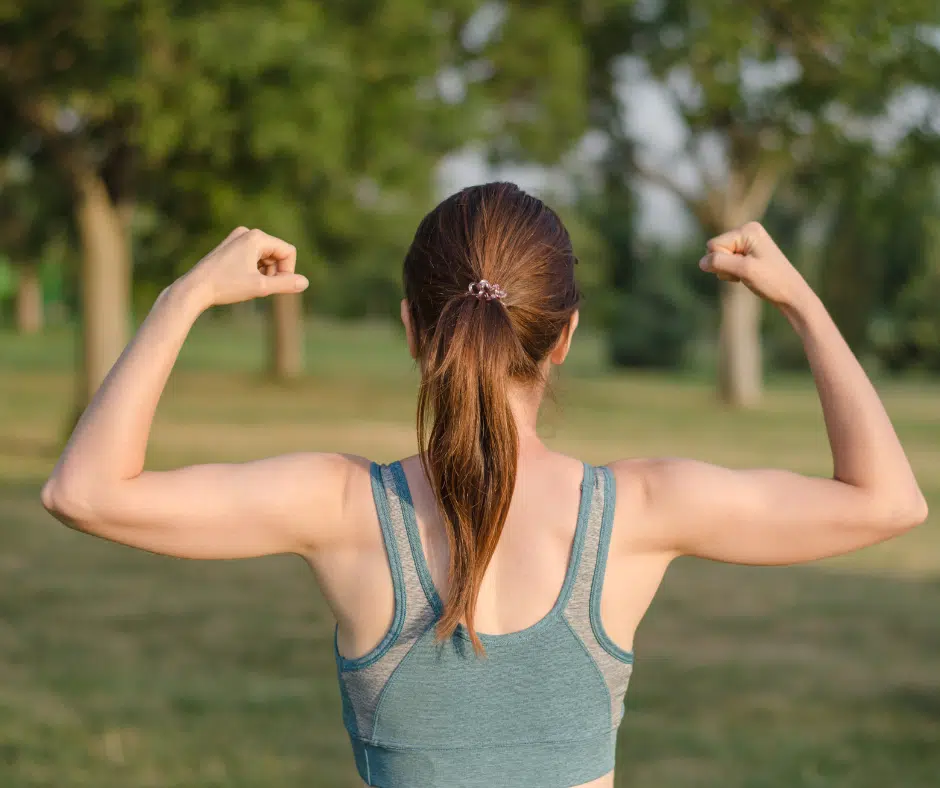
point(907, 513)
point(65, 502)
point(920, 511)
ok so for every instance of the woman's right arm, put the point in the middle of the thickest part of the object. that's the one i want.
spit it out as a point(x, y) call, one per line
point(766, 516)
point(297, 503)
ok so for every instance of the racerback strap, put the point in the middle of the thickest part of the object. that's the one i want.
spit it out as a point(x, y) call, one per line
point(583, 607)
point(364, 678)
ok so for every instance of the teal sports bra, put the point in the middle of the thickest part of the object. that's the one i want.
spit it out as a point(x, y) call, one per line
point(540, 710)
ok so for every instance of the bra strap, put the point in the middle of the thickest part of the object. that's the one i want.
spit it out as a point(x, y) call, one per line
point(585, 548)
point(363, 679)
point(583, 609)
point(399, 515)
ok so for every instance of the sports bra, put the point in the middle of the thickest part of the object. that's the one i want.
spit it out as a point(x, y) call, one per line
point(540, 710)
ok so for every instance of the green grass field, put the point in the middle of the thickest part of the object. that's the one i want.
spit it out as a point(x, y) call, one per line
point(120, 669)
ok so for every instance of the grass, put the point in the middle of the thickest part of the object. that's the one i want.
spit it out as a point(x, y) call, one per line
point(123, 669)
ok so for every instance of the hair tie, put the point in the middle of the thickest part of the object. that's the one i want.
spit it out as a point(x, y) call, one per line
point(484, 290)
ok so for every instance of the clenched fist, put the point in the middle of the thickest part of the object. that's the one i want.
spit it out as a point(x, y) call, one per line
point(749, 255)
point(247, 264)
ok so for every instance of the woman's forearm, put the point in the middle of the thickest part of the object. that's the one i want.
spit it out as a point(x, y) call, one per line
point(866, 451)
point(109, 442)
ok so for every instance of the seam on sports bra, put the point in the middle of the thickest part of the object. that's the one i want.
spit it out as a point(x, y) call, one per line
point(380, 496)
point(391, 745)
point(388, 683)
point(516, 636)
point(597, 669)
point(580, 533)
point(414, 537)
point(597, 582)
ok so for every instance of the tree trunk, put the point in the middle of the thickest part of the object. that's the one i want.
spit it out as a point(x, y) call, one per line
point(105, 281)
point(740, 373)
point(286, 334)
point(29, 312)
point(740, 368)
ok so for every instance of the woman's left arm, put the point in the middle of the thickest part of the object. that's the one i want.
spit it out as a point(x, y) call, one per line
point(290, 503)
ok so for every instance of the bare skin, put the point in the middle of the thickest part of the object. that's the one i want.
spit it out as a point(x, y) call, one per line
point(319, 505)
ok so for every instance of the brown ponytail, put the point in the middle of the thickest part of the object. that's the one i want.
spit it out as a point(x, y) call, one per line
point(470, 349)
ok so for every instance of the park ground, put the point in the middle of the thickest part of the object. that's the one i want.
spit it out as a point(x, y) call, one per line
point(120, 669)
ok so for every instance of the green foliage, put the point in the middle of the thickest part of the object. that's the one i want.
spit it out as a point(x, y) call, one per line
point(606, 217)
point(657, 315)
point(875, 249)
point(324, 123)
point(7, 279)
point(771, 78)
point(33, 206)
point(767, 93)
point(909, 337)
point(647, 299)
point(853, 266)
point(594, 255)
point(70, 90)
point(535, 102)
point(786, 220)
point(328, 127)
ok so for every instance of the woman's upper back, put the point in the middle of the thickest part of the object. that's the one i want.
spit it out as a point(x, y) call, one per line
point(523, 578)
point(542, 707)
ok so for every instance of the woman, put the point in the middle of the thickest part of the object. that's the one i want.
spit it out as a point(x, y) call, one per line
point(488, 530)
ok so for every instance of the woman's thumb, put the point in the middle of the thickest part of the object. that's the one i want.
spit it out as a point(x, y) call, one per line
point(724, 263)
point(287, 283)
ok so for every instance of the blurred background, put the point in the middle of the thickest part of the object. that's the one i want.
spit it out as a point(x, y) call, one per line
point(135, 135)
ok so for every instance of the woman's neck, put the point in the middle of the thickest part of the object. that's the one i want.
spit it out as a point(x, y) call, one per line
point(524, 402)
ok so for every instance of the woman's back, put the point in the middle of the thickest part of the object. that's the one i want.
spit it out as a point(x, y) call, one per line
point(526, 571)
point(542, 708)
point(487, 531)
point(525, 576)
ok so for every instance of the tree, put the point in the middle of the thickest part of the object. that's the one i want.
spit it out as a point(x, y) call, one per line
point(887, 253)
point(761, 92)
point(170, 122)
point(328, 129)
point(23, 223)
point(145, 106)
point(66, 90)
point(914, 340)
point(871, 216)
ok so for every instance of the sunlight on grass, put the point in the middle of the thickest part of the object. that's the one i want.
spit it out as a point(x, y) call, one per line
point(125, 669)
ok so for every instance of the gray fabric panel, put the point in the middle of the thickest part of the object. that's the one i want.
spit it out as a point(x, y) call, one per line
point(364, 685)
point(414, 591)
point(616, 672)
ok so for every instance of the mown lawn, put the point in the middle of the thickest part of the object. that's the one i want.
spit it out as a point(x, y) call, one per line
point(123, 670)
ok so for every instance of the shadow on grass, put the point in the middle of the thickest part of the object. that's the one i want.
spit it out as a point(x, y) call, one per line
point(919, 700)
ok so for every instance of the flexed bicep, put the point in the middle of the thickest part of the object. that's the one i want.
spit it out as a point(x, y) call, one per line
point(775, 516)
point(758, 516)
point(293, 503)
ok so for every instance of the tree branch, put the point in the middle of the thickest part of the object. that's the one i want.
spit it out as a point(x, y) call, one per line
point(661, 179)
point(703, 208)
point(761, 189)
